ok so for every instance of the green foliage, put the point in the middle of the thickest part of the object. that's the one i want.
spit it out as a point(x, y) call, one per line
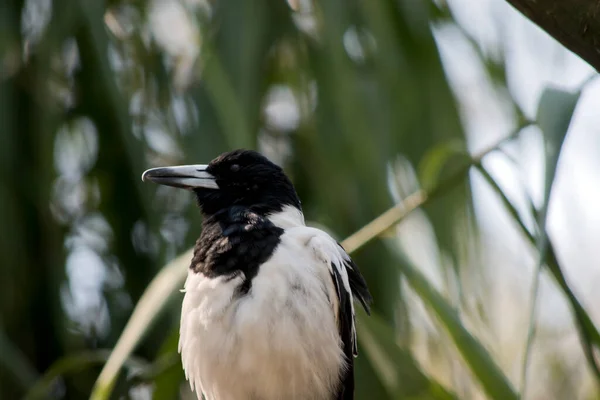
point(482, 365)
point(554, 115)
point(337, 92)
point(399, 372)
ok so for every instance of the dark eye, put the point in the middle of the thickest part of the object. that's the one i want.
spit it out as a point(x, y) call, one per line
point(235, 168)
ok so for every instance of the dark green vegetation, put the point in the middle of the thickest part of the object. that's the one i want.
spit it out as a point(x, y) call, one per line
point(91, 94)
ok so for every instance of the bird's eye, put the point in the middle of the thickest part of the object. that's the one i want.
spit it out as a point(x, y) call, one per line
point(235, 168)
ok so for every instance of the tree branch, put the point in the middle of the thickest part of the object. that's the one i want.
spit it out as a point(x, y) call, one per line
point(574, 23)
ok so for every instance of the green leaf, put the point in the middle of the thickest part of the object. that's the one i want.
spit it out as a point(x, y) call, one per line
point(588, 333)
point(152, 302)
point(395, 366)
point(436, 161)
point(554, 115)
point(482, 365)
point(74, 364)
point(167, 384)
point(226, 105)
point(14, 361)
point(165, 373)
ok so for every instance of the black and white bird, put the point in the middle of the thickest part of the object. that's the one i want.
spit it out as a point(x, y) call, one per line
point(268, 309)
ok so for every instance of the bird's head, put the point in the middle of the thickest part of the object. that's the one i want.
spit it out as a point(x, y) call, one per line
point(237, 178)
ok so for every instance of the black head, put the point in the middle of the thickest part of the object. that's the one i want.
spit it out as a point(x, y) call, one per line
point(237, 178)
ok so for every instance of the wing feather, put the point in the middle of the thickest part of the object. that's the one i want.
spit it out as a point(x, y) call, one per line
point(348, 283)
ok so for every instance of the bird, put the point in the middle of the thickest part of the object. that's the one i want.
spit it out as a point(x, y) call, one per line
point(268, 307)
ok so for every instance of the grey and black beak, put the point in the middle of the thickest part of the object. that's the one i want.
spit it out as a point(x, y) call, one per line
point(184, 176)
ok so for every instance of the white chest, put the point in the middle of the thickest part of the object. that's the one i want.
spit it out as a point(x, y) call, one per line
point(279, 341)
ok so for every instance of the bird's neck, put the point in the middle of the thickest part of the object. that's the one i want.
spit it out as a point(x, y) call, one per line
point(288, 217)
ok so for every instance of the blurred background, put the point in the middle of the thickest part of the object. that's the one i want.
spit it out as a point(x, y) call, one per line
point(364, 103)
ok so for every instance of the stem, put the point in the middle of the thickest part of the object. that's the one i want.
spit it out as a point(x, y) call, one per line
point(397, 213)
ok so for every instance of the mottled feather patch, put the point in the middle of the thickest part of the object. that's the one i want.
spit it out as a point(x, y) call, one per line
point(235, 240)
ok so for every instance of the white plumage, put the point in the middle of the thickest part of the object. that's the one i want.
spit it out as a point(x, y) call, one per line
point(278, 342)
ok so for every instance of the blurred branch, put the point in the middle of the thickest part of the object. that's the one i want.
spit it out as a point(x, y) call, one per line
point(395, 214)
point(575, 24)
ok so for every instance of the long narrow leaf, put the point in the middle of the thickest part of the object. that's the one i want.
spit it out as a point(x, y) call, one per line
point(588, 333)
point(492, 379)
point(151, 303)
point(15, 362)
point(555, 111)
point(554, 116)
point(398, 370)
point(74, 364)
point(167, 382)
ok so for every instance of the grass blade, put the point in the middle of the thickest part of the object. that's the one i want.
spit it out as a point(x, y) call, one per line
point(74, 363)
point(492, 379)
point(156, 296)
point(588, 333)
point(14, 361)
point(555, 111)
point(399, 372)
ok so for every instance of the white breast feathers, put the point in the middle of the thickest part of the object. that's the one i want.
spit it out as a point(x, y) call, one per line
point(278, 341)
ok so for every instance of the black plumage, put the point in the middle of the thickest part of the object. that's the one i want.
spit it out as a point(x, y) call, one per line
point(346, 320)
point(235, 240)
point(247, 178)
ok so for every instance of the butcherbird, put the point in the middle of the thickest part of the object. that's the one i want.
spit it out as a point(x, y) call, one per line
point(268, 308)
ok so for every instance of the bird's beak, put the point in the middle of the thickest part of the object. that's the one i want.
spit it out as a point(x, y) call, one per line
point(184, 176)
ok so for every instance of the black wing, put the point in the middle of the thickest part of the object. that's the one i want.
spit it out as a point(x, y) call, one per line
point(349, 283)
